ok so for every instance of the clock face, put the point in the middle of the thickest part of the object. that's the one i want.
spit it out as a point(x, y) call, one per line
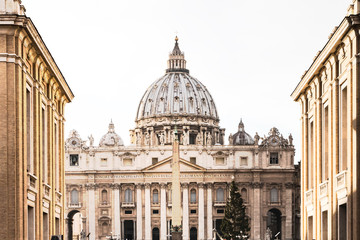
point(274, 141)
point(74, 142)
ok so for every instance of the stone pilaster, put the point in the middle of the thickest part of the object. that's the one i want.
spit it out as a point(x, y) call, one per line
point(201, 224)
point(147, 212)
point(185, 219)
point(116, 201)
point(91, 201)
point(257, 209)
point(209, 211)
point(163, 211)
point(139, 225)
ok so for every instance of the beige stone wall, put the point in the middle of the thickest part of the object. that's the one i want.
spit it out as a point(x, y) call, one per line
point(27, 66)
point(329, 97)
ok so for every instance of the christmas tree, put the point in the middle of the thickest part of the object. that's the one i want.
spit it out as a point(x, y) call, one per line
point(235, 224)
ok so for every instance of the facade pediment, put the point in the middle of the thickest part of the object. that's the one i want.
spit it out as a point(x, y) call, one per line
point(165, 166)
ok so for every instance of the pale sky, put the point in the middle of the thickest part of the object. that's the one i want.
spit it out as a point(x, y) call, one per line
point(250, 54)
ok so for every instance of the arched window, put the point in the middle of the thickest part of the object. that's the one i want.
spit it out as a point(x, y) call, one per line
point(274, 195)
point(193, 196)
point(220, 195)
point(128, 195)
point(244, 194)
point(104, 196)
point(104, 227)
point(155, 196)
point(74, 196)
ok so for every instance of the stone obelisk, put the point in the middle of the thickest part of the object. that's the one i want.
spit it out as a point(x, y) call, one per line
point(176, 228)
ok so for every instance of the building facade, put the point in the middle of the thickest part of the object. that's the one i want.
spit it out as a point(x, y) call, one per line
point(33, 94)
point(125, 191)
point(329, 96)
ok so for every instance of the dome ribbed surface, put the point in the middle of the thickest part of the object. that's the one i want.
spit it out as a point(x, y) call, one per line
point(177, 94)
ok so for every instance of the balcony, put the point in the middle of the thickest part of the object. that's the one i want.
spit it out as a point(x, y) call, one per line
point(31, 181)
point(75, 205)
point(219, 204)
point(323, 189)
point(309, 198)
point(341, 183)
point(104, 204)
point(46, 191)
point(128, 204)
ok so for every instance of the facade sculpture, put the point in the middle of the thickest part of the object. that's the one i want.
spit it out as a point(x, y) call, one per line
point(329, 96)
point(125, 191)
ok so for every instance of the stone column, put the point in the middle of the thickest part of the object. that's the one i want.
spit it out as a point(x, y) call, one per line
point(147, 212)
point(163, 211)
point(209, 211)
point(185, 219)
point(257, 210)
point(139, 224)
point(288, 211)
point(91, 195)
point(201, 225)
point(116, 201)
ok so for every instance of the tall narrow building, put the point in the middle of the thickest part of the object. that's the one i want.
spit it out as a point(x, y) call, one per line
point(329, 95)
point(33, 93)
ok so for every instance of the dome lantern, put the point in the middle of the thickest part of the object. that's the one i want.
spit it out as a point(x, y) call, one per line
point(177, 62)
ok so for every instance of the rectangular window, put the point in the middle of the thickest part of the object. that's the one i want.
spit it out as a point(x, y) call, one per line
point(128, 212)
point(310, 155)
point(343, 130)
point(310, 228)
point(324, 230)
point(127, 162)
point(192, 138)
point(193, 160)
point(45, 226)
point(193, 211)
point(31, 223)
point(57, 159)
point(342, 231)
point(274, 158)
point(325, 145)
point(44, 145)
point(219, 161)
point(220, 211)
point(103, 162)
point(154, 160)
point(155, 211)
point(74, 159)
point(28, 132)
point(57, 226)
point(243, 161)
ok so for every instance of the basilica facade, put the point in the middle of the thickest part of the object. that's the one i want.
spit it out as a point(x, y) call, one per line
point(124, 192)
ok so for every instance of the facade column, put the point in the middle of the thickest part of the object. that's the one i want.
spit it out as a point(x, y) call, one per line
point(288, 211)
point(147, 212)
point(185, 187)
point(91, 195)
point(139, 224)
point(116, 201)
point(209, 211)
point(163, 211)
point(257, 210)
point(201, 225)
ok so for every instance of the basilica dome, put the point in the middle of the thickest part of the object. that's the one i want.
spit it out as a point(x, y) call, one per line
point(177, 102)
point(177, 93)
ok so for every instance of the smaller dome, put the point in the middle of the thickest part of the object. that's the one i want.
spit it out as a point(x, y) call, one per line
point(241, 137)
point(111, 138)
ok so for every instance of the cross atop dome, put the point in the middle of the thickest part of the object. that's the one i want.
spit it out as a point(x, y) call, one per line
point(176, 62)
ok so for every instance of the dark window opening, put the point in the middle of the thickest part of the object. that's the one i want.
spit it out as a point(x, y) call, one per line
point(128, 212)
point(192, 138)
point(274, 158)
point(74, 159)
point(220, 211)
point(155, 211)
point(154, 160)
point(192, 211)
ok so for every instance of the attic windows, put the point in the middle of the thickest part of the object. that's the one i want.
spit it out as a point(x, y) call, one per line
point(154, 160)
point(220, 161)
point(193, 160)
point(74, 159)
point(127, 162)
point(243, 161)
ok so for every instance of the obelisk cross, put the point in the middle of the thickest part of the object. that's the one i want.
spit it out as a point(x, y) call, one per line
point(176, 228)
